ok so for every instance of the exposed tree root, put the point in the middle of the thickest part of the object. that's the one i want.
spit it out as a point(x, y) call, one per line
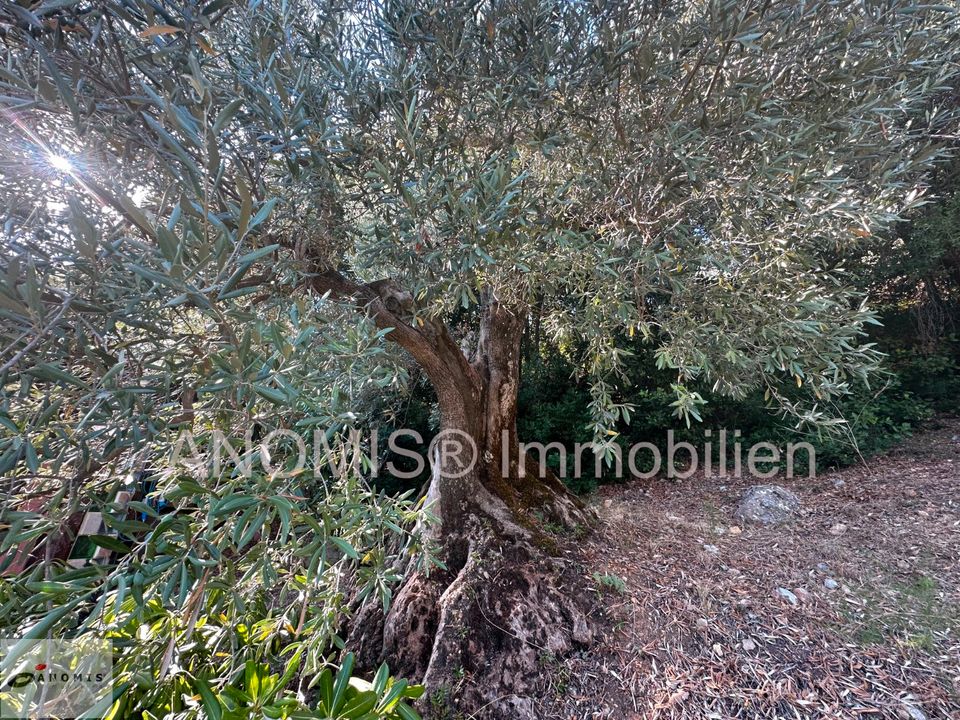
point(478, 633)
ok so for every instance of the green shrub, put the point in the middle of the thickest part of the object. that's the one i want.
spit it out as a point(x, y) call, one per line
point(554, 408)
point(260, 693)
point(933, 377)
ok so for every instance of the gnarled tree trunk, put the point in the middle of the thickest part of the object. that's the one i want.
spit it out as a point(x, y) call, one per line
point(477, 631)
point(478, 400)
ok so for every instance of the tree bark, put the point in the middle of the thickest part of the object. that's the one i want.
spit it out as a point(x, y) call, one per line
point(478, 401)
point(476, 631)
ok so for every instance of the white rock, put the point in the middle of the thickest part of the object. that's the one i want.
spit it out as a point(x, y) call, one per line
point(788, 596)
point(914, 712)
point(768, 505)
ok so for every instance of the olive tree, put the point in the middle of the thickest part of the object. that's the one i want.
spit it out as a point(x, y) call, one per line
point(201, 194)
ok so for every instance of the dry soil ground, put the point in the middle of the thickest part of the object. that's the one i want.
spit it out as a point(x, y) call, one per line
point(696, 624)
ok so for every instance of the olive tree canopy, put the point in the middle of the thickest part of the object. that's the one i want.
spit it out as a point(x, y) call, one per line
point(222, 212)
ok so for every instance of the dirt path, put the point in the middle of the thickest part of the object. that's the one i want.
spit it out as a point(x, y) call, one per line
point(696, 627)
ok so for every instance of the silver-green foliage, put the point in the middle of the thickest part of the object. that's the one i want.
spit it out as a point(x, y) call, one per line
point(676, 170)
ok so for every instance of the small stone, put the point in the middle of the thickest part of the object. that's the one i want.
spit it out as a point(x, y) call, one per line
point(608, 503)
point(914, 713)
point(839, 483)
point(910, 493)
point(718, 649)
point(788, 596)
point(768, 505)
point(838, 529)
point(702, 624)
point(903, 565)
point(735, 530)
point(823, 567)
point(831, 584)
point(712, 549)
point(749, 645)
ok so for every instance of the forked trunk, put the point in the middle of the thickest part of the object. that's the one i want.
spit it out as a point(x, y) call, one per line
point(478, 409)
point(476, 631)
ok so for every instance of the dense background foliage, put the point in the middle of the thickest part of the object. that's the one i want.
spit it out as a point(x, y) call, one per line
point(913, 280)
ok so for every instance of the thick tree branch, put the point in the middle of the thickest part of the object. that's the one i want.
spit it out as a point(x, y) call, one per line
point(458, 384)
